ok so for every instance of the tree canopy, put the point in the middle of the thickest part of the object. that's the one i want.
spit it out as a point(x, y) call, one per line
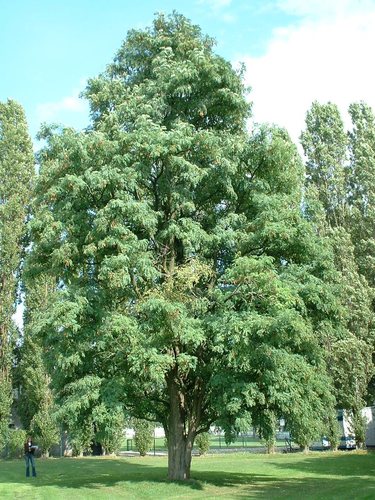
point(191, 287)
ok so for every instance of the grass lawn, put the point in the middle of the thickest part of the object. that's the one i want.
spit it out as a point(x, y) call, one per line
point(342, 475)
point(216, 442)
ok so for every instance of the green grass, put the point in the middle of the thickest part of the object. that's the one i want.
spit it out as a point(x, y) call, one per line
point(216, 443)
point(327, 475)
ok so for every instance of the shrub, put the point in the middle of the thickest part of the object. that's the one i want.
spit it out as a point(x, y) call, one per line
point(81, 436)
point(16, 440)
point(110, 424)
point(358, 425)
point(144, 435)
point(203, 442)
point(334, 433)
point(4, 436)
point(43, 425)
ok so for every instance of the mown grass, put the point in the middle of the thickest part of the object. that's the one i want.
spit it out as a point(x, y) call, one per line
point(216, 443)
point(341, 475)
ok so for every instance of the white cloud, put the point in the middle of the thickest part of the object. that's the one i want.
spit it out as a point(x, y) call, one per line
point(219, 8)
point(323, 8)
point(326, 59)
point(49, 111)
point(216, 4)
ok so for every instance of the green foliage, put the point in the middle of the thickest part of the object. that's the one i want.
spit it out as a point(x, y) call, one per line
point(81, 436)
point(325, 144)
point(16, 173)
point(202, 441)
point(358, 425)
point(5, 411)
point(143, 435)
point(267, 429)
point(15, 443)
point(333, 431)
point(4, 436)
point(352, 369)
point(362, 188)
point(110, 423)
point(340, 171)
point(191, 288)
point(33, 380)
point(43, 425)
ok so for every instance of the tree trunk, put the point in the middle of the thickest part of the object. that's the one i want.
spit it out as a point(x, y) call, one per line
point(271, 448)
point(179, 457)
point(180, 440)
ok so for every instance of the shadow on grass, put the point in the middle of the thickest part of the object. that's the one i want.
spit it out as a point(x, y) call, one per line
point(333, 464)
point(332, 476)
point(98, 473)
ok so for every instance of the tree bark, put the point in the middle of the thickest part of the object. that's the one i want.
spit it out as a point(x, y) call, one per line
point(180, 439)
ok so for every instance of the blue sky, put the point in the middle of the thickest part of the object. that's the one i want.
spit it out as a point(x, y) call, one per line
point(295, 51)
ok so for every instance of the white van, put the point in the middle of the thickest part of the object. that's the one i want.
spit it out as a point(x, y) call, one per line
point(369, 414)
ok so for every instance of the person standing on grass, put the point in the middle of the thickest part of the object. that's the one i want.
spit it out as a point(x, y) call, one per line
point(30, 448)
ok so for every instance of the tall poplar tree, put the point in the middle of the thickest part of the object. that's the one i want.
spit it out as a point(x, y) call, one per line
point(362, 187)
point(16, 173)
point(325, 145)
point(362, 197)
point(31, 373)
point(331, 178)
point(188, 280)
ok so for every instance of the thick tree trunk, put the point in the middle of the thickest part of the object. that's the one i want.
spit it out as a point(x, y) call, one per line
point(179, 457)
point(180, 439)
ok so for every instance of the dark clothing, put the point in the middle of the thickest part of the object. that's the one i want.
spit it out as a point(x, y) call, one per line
point(30, 448)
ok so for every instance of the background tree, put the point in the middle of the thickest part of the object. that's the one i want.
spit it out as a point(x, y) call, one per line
point(44, 425)
point(188, 279)
point(362, 196)
point(32, 380)
point(16, 174)
point(362, 187)
point(325, 146)
point(330, 179)
point(111, 430)
point(35, 404)
point(203, 443)
point(143, 435)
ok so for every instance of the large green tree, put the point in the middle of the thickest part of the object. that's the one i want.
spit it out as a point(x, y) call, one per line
point(177, 243)
point(16, 173)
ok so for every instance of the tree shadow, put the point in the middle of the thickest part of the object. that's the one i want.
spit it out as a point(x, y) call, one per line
point(330, 463)
point(341, 475)
point(334, 476)
point(68, 473)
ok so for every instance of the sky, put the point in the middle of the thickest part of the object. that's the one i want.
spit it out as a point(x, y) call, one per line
point(295, 51)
